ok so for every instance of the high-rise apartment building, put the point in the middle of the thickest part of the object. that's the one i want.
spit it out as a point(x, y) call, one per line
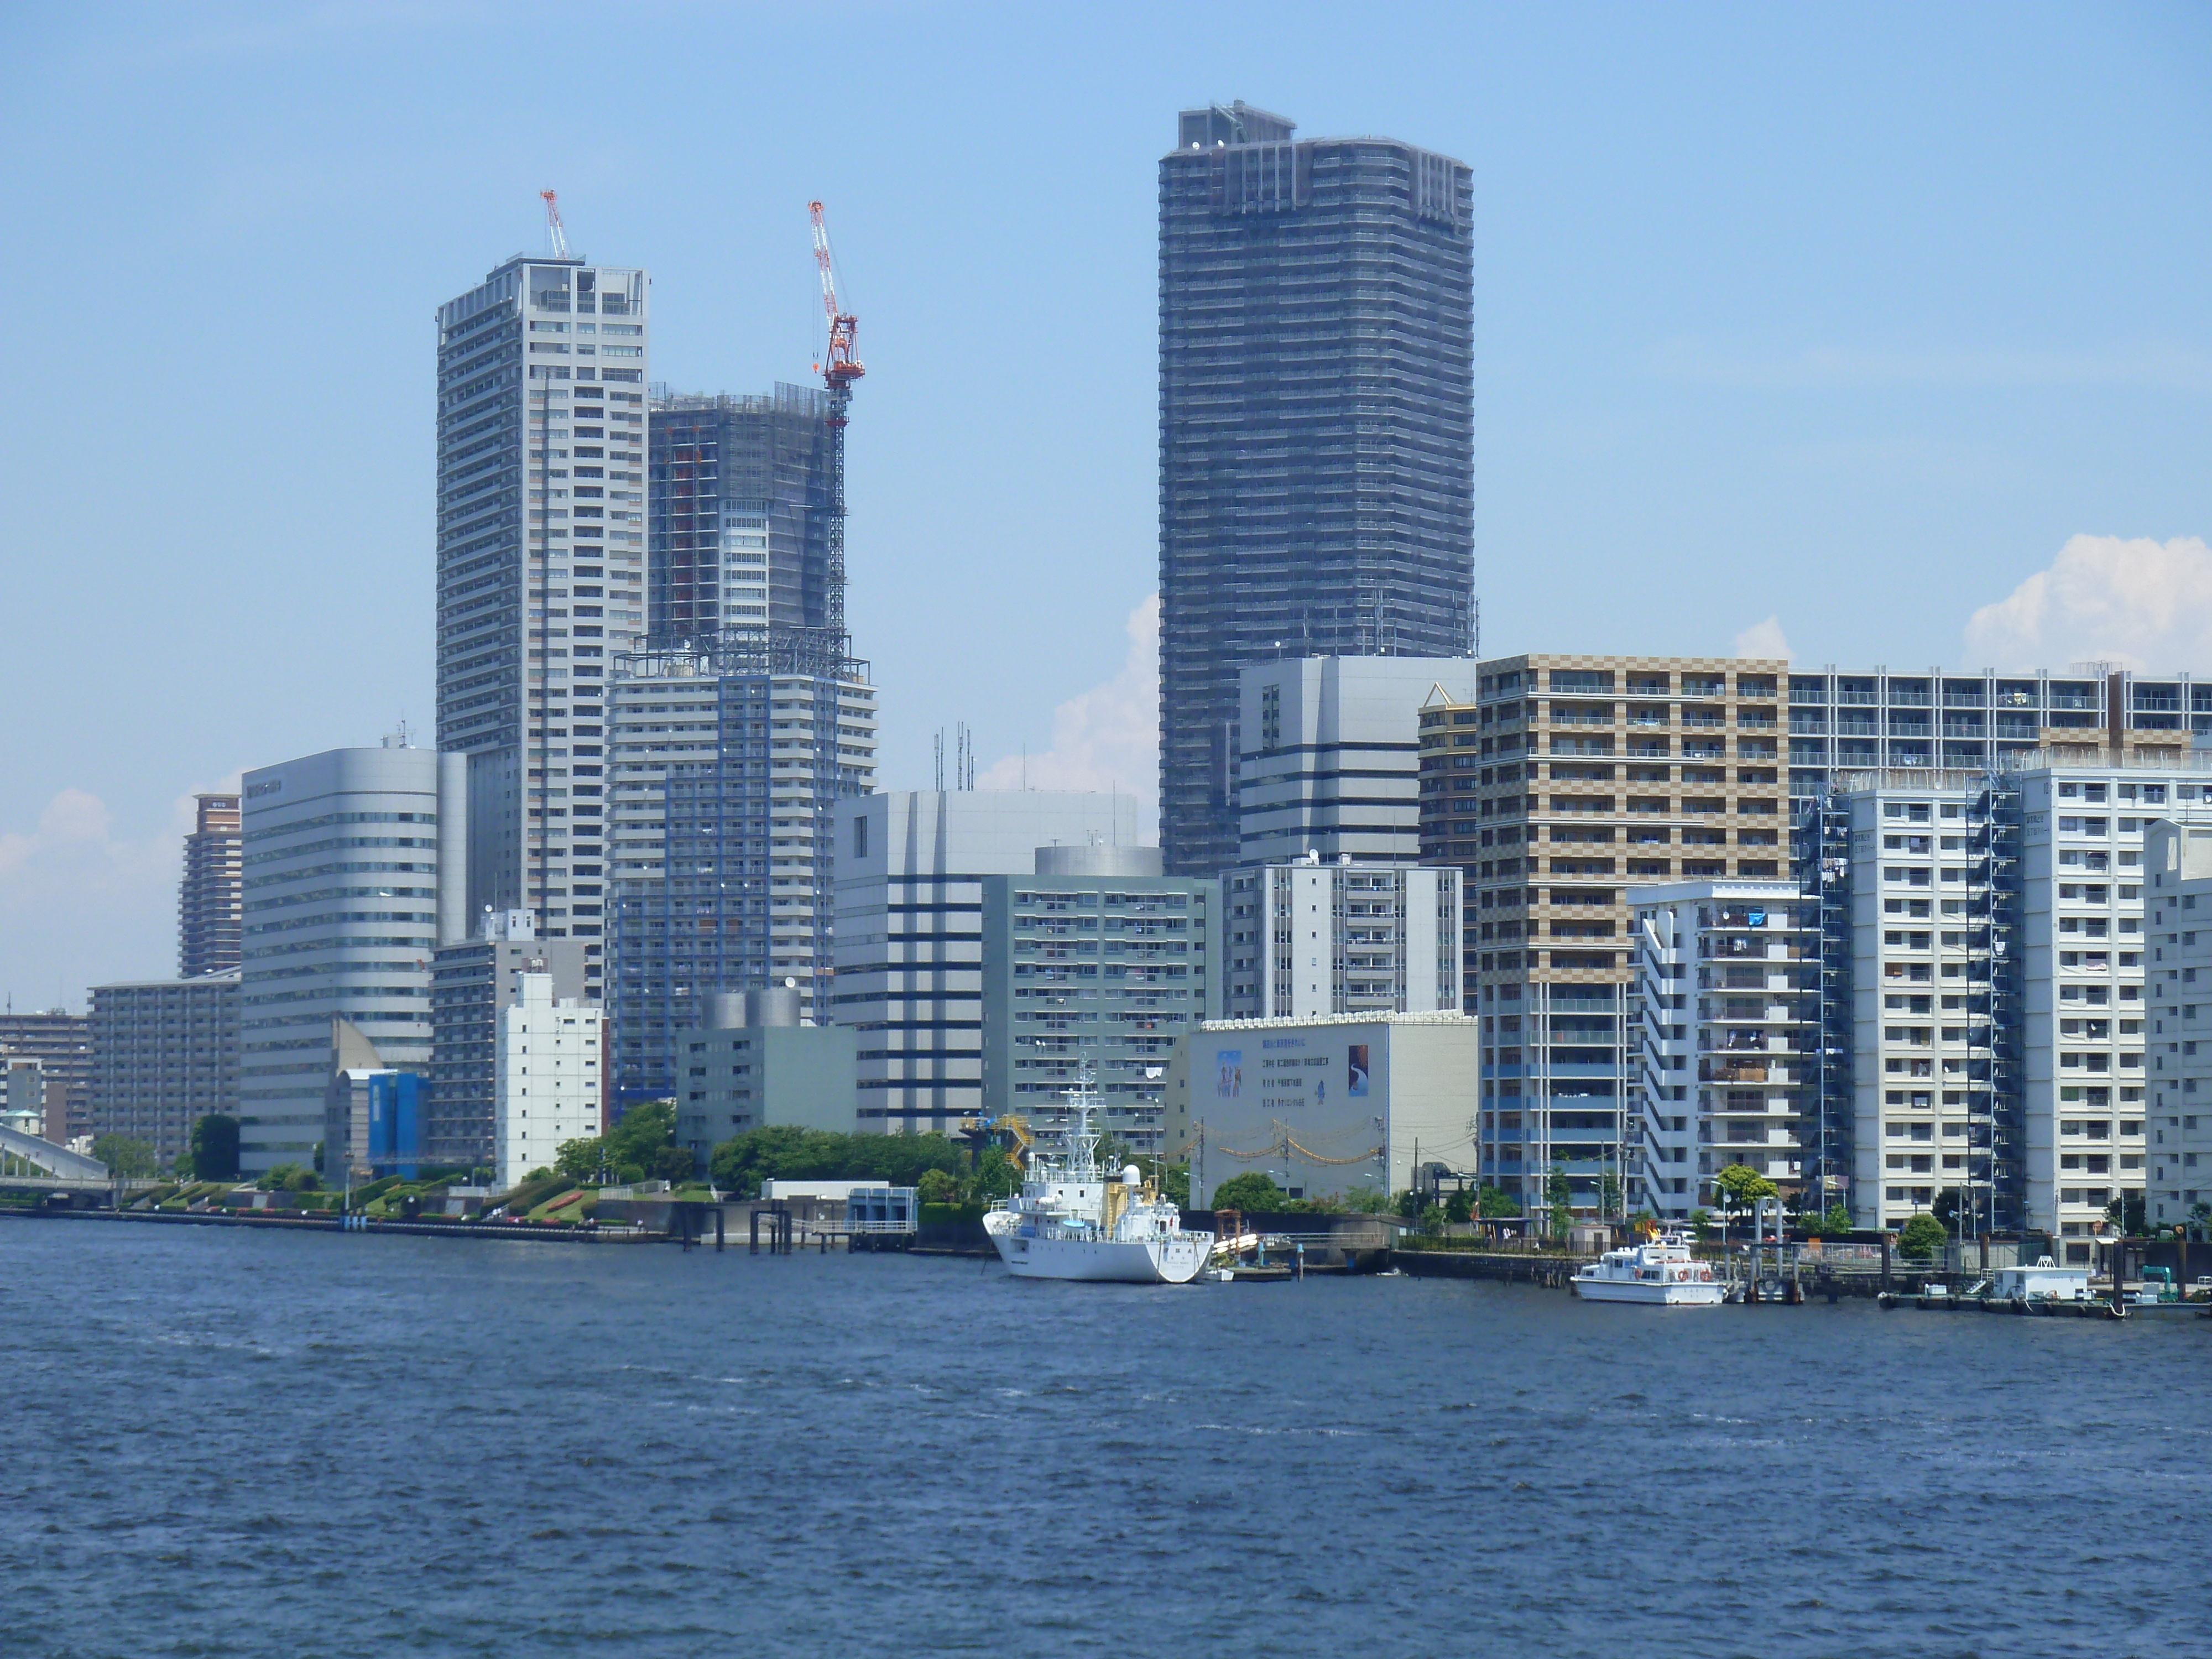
point(1571, 778)
point(1315, 427)
point(729, 761)
point(345, 906)
point(1725, 1033)
point(1309, 938)
point(739, 526)
point(1094, 960)
point(208, 916)
point(541, 570)
point(1330, 763)
point(164, 1055)
point(1872, 720)
point(910, 868)
point(1985, 964)
point(546, 1078)
point(2178, 1138)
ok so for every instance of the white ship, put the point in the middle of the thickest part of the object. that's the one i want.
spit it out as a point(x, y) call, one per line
point(1074, 1220)
point(1661, 1271)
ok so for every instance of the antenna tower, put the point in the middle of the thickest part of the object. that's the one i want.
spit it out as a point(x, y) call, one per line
point(840, 369)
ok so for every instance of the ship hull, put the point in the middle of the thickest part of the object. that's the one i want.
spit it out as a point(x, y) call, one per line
point(1109, 1261)
point(1690, 1294)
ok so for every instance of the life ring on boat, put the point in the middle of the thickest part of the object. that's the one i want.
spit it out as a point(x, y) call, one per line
point(1705, 1275)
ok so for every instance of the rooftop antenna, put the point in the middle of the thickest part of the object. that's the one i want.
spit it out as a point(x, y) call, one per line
point(554, 232)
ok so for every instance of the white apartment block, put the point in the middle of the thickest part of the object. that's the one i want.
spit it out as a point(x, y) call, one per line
point(542, 373)
point(910, 933)
point(1726, 1031)
point(1996, 989)
point(1309, 938)
point(2178, 1150)
point(545, 1077)
point(1332, 762)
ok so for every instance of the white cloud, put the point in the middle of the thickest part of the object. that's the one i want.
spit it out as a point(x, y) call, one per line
point(1763, 638)
point(81, 904)
point(1107, 737)
point(2139, 603)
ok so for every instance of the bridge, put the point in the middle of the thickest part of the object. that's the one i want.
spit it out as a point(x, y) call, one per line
point(25, 1155)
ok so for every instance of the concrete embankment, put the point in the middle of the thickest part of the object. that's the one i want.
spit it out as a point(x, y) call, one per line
point(331, 1224)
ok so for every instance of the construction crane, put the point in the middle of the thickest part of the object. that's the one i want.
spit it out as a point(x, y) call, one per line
point(553, 230)
point(839, 369)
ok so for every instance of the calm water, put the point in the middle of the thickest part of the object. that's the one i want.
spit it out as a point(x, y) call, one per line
point(227, 1442)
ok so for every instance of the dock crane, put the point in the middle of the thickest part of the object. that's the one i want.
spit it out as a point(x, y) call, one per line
point(839, 369)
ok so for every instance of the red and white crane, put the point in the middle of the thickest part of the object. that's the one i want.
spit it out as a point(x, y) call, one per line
point(839, 369)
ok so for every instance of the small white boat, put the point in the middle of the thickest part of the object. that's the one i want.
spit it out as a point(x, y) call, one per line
point(1661, 1271)
point(1072, 1219)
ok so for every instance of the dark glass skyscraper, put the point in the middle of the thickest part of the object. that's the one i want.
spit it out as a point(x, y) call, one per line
point(1316, 427)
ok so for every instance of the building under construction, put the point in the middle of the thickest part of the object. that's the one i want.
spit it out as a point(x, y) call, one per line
point(741, 502)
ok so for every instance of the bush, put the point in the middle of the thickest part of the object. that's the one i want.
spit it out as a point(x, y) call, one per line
point(674, 1164)
point(290, 1178)
point(941, 1215)
point(1922, 1236)
point(936, 1187)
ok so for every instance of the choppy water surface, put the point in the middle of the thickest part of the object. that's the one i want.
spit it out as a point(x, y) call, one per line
point(227, 1442)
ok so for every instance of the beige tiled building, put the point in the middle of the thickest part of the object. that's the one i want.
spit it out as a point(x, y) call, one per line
point(1569, 780)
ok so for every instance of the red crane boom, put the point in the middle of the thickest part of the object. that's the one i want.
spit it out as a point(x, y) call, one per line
point(840, 369)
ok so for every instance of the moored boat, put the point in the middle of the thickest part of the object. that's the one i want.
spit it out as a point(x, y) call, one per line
point(1661, 1271)
point(1073, 1220)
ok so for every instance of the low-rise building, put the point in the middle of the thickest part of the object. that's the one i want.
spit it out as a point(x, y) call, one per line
point(1725, 1027)
point(164, 1055)
point(546, 1078)
point(1338, 1105)
point(754, 1064)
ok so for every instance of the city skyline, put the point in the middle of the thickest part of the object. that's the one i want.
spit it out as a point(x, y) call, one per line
point(1686, 360)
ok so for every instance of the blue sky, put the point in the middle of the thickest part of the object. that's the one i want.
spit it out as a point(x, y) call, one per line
point(1853, 317)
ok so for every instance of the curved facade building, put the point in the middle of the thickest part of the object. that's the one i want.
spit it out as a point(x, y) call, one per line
point(341, 856)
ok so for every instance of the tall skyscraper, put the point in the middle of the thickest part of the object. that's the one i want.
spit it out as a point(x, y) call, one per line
point(1316, 427)
point(208, 916)
point(541, 570)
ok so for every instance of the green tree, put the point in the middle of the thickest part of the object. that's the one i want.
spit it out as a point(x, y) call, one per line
point(127, 1159)
point(1700, 1220)
point(214, 1147)
point(1362, 1200)
point(1433, 1218)
point(1556, 1190)
point(1459, 1206)
point(674, 1164)
point(1835, 1218)
point(2127, 1212)
point(290, 1178)
point(1496, 1205)
point(1922, 1236)
point(936, 1186)
point(1175, 1183)
point(580, 1159)
point(1741, 1186)
point(1948, 1204)
point(641, 1134)
point(1249, 1192)
point(995, 1177)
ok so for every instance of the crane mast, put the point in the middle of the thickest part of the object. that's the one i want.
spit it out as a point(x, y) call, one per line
point(840, 369)
point(554, 232)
